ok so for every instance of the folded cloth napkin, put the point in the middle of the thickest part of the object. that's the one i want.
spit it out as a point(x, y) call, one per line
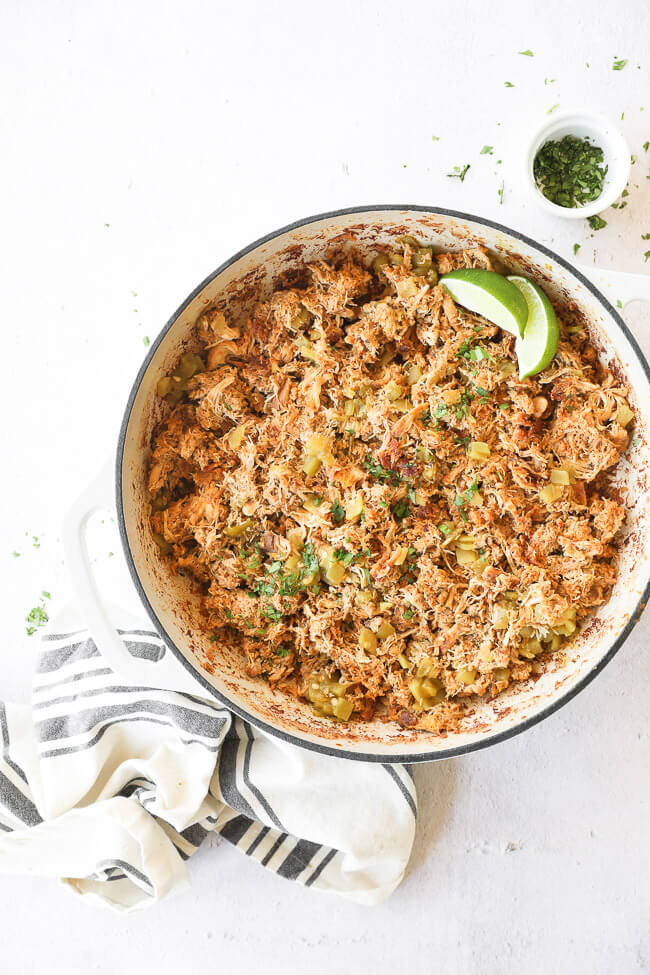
point(113, 786)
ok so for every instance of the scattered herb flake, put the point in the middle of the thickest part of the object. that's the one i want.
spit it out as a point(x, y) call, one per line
point(509, 84)
point(146, 341)
point(487, 150)
point(596, 222)
point(500, 193)
point(576, 248)
point(460, 172)
point(282, 652)
point(552, 108)
point(36, 618)
point(619, 65)
point(528, 53)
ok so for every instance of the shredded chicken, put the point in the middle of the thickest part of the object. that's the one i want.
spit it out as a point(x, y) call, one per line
point(380, 515)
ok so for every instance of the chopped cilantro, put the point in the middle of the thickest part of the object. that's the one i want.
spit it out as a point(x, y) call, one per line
point(460, 172)
point(570, 171)
point(527, 53)
point(229, 615)
point(408, 614)
point(459, 501)
point(576, 248)
point(271, 612)
point(508, 84)
point(444, 528)
point(619, 65)
point(338, 513)
point(400, 510)
point(596, 222)
point(282, 652)
point(380, 473)
point(36, 618)
point(342, 555)
point(487, 150)
point(309, 558)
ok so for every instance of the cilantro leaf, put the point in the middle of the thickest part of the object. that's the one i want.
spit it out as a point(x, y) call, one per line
point(338, 513)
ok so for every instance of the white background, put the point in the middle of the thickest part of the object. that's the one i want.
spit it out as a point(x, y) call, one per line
point(141, 144)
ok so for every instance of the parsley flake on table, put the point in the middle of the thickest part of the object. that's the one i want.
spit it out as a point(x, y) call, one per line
point(508, 84)
point(500, 193)
point(460, 172)
point(576, 248)
point(646, 146)
point(487, 150)
point(646, 255)
point(552, 108)
point(596, 222)
point(527, 53)
point(619, 65)
point(37, 616)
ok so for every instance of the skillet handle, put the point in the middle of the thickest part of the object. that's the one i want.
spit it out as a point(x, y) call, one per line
point(164, 673)
point(618, 286)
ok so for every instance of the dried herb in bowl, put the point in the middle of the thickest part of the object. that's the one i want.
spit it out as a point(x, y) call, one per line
point(570, 171)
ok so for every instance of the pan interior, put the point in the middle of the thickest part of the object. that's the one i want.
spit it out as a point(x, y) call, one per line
point(174, 608)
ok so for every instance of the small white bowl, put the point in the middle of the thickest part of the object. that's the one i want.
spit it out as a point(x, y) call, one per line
point(602, 133)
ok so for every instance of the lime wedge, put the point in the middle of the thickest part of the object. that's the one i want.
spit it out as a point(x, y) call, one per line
point(539, 343)
point(488, 294)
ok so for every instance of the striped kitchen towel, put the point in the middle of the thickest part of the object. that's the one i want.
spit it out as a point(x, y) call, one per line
point(112, 787)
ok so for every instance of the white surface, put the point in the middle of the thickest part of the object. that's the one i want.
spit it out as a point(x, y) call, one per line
point(191, 129)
